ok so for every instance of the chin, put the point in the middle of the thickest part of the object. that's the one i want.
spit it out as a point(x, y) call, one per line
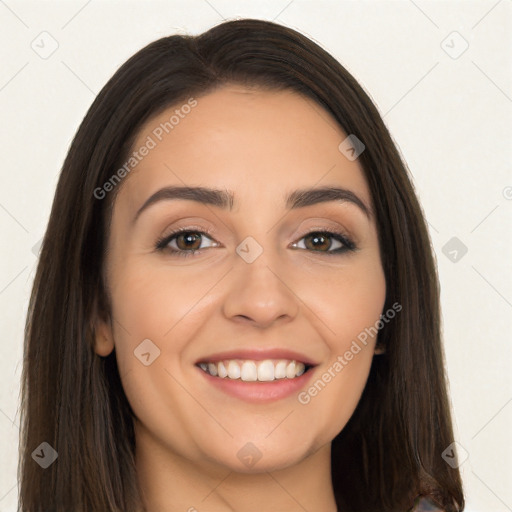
point(263, 456)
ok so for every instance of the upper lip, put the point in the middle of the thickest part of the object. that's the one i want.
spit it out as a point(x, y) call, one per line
point(258, 355)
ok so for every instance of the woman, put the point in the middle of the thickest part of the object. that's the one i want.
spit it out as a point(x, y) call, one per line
point(236, 305)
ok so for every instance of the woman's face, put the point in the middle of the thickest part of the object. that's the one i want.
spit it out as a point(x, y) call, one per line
point(264, 288)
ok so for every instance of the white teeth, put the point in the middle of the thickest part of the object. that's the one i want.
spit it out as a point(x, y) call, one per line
point(280, 370)
point(251, 371)
point(221, 370)
point(266, 371)
point(290, 370)
point(233, 370)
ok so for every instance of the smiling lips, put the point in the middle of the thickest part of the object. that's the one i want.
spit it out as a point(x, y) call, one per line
point(257, 381)
point(250, 370)
point(256, 365)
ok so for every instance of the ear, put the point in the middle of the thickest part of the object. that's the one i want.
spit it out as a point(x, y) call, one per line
point(379, 349)
point(102, 329)
point(103, 339)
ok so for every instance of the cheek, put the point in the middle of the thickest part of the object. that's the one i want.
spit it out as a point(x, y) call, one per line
point(332, 396)
point(349, 312)
point(150, 300)
point(160, 304)
point(165, 305)
point(347, 301)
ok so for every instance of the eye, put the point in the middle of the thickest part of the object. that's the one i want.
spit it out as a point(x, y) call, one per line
point(317, 241)
point(186, 241)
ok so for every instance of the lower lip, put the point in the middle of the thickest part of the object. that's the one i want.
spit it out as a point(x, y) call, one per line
point(259, 392)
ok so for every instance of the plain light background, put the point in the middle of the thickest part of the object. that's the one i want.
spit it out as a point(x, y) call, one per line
point(448, 107)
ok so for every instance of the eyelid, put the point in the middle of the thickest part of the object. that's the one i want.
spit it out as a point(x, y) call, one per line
point(326, 229)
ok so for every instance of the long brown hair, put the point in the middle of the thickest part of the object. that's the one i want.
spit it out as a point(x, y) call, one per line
point(390, 451)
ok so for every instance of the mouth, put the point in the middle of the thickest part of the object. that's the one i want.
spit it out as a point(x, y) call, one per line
point(256, 375)
point(252, 370)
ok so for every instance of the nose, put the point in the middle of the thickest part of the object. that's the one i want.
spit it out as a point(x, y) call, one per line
point(260, 293)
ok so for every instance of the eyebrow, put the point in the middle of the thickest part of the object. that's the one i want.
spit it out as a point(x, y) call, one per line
point(224, 199)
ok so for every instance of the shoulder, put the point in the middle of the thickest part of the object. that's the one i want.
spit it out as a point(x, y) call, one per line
point(425, 504)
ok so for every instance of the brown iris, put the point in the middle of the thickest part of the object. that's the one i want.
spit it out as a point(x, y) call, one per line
point(319, 241)
point(189, 237)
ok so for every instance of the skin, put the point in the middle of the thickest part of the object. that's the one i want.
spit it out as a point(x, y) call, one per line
point(188, 433)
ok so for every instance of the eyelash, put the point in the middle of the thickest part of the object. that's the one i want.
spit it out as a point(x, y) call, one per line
point(162, 243)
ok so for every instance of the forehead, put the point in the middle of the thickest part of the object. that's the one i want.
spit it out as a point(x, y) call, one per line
point(246, 140)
